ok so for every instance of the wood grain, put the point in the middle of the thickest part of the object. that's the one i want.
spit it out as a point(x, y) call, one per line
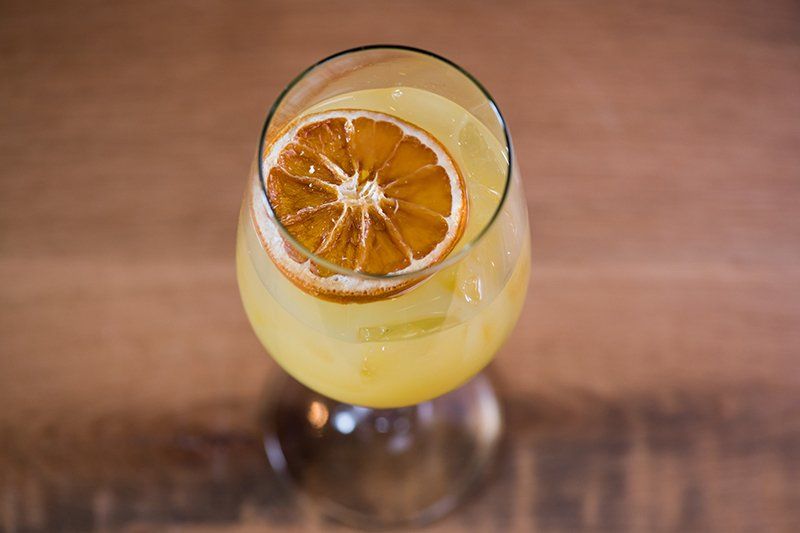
point(653, 382)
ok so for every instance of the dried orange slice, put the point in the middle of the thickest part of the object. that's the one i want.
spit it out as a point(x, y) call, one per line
point(365, 191)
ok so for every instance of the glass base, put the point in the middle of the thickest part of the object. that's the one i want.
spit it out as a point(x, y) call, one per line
point(378, 468)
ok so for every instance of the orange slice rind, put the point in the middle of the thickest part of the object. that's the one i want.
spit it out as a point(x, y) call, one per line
point(365, 191)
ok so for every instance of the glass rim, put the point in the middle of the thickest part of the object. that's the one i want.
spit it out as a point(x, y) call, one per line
point(450, 259)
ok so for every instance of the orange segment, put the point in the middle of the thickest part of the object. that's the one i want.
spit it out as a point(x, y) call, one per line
point(341, 246)
point(409, 156)
point(290, 194)
point(421, 229)
point(372, 144)
point(428, 187)
point(298, 161)
point(384, 251)
point(329, 139)
point(365, 191)
point(310, 226)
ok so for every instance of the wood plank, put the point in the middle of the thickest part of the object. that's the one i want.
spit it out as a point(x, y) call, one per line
point(652, 384)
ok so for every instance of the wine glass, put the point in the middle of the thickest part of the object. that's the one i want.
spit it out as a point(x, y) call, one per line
point(387, 419)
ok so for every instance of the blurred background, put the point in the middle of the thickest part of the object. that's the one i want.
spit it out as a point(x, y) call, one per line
point(653, 383)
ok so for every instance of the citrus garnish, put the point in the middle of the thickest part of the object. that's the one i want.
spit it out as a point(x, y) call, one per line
point(365, 191)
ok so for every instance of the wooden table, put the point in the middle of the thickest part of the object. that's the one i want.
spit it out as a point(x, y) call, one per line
point(653, 383)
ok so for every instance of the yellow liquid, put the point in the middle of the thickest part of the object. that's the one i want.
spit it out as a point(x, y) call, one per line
point(429, 339)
